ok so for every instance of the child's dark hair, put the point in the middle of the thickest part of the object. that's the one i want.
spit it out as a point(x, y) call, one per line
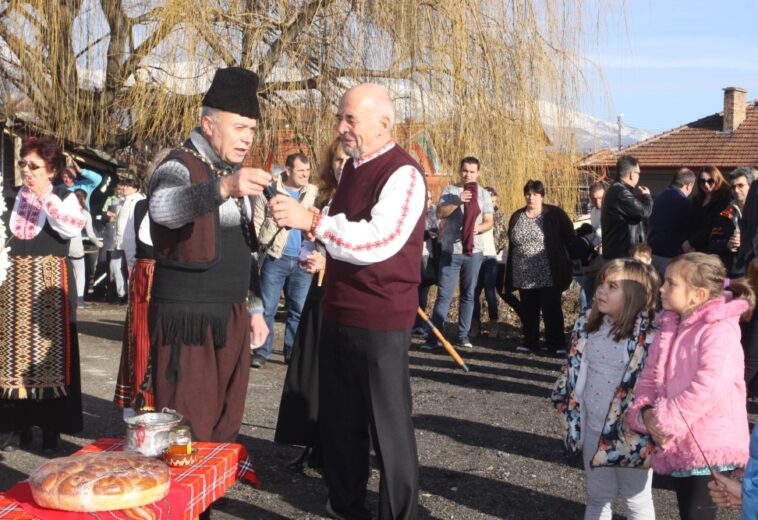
point(705, 271)
point(639, 283)
point(641, 250)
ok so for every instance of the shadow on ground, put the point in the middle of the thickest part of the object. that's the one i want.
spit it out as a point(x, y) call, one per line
point(104, 329)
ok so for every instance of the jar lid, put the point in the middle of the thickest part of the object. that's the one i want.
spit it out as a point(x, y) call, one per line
point(181, 429)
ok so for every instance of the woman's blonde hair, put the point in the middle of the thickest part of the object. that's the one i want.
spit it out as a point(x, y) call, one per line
point(639, 285)
point(704, 271)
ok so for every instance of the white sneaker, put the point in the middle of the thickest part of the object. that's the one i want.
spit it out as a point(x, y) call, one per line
point(523, 349)
point(466, 344)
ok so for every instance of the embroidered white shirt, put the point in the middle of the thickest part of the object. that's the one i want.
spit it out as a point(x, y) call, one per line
point(393, 218)
point(31, 212)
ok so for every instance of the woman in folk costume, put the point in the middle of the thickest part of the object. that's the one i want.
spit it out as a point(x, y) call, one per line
point(297, 423)
point(39, 349)
point(133, 389)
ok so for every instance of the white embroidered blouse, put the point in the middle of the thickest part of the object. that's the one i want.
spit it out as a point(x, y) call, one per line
point(31, 212)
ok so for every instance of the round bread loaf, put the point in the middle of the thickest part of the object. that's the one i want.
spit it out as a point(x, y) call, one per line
point(100, 482)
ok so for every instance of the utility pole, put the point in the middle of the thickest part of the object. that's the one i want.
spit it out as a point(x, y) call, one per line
point(620, 124)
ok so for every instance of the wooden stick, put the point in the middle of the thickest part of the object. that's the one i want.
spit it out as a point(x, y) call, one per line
point(445, 343)
point(321, 276)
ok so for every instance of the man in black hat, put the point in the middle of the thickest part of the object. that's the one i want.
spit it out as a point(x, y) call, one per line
point(203, 309)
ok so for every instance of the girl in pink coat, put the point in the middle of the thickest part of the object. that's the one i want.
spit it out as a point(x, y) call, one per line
point(694, 379)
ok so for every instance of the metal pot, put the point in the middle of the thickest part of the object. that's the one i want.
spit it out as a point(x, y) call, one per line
point(147, 433)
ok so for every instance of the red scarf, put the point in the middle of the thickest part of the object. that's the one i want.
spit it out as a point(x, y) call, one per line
point(470, 213)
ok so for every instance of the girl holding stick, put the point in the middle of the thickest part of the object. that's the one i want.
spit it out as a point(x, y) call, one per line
point(691, 396)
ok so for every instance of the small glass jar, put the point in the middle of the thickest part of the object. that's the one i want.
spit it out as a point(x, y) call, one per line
point(180, 440)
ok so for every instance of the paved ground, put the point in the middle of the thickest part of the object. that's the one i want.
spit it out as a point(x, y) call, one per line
point(488, 440)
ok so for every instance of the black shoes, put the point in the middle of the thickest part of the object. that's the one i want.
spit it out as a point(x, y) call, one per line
point(298, 463)
point(51, 441)
point(257, 361)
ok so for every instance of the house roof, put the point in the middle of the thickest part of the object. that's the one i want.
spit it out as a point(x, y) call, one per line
point(697, 144)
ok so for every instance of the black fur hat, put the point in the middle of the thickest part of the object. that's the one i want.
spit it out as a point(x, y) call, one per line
point(234, 90)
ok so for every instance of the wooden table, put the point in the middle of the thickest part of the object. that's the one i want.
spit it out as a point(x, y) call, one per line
point(193, 489)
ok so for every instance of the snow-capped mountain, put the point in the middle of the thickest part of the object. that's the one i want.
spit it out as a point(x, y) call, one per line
point(589, 133)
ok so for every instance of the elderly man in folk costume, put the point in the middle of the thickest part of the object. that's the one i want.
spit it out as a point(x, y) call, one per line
point(199, 319)
point(373, 235)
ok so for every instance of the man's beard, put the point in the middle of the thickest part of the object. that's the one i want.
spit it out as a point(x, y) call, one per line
point(356, 153)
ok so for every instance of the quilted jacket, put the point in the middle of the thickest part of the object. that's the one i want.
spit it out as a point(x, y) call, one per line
point(616, 446)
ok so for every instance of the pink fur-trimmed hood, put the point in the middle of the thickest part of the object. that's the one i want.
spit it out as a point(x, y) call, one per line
point(695, 374)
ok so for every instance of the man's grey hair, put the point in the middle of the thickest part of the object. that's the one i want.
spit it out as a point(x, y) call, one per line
point(748, 172)
point(209, 112)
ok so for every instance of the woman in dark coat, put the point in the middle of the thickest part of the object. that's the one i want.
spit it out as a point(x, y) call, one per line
point(39, 349)
point(710, 197)
point(297, 423)
point(539, 266)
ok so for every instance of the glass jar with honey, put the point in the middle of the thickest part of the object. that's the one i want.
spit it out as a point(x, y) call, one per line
point(180, 440)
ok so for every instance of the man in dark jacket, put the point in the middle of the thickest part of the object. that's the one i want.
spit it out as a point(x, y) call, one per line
point(726, 234)
point(670, 220)
point(623, 215)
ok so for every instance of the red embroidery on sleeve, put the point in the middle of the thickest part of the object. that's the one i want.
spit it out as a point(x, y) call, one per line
point(63, 218)
point(368, 246)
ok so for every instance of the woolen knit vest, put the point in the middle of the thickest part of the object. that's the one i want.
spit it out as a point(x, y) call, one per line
point(382, 295)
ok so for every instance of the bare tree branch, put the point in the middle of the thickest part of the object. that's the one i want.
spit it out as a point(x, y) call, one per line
point(149, 16)
point(299, 22)
point(129, 66)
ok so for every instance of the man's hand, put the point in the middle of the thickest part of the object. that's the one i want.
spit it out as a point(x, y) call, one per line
point(465, 196)
point(314, 263)
point(725, 492)
point(653, 429)
point(288, 212)
point(243, 182)
point(258, 329)
point(644, 190)
point(734, 242)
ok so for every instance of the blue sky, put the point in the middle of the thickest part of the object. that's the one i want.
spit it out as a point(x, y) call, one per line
point(666, 62)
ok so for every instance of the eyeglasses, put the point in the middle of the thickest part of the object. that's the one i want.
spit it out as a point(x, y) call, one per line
point(28, 164)
point(709, 182)
point(739, 186)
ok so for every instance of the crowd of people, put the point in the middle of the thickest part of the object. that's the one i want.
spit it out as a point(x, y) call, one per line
point(657, 369)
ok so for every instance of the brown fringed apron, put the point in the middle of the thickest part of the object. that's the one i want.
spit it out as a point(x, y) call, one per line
point(35, 342)
point(135, 351)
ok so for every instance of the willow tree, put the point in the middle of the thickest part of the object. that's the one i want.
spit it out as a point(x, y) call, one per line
point(129, 73)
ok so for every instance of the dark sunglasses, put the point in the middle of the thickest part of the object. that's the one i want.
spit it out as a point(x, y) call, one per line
point(709, 182)
point(28, 164)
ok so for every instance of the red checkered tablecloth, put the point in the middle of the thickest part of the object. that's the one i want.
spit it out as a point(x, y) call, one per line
point(193, 489)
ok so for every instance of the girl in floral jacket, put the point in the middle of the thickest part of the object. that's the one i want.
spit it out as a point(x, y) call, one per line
point(691, 396)
point(596, 387)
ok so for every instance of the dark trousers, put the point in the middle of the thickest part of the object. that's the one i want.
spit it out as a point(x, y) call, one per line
point(548, 301)
point(693, 498)
point(364, 384)
point(487, 281)
point(507, 296)
point(750, 346)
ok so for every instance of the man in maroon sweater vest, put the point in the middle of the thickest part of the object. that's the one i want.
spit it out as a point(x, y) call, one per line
point(373, 235)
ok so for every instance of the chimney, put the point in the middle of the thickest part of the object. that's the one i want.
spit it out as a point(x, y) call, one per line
point(735, 107)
